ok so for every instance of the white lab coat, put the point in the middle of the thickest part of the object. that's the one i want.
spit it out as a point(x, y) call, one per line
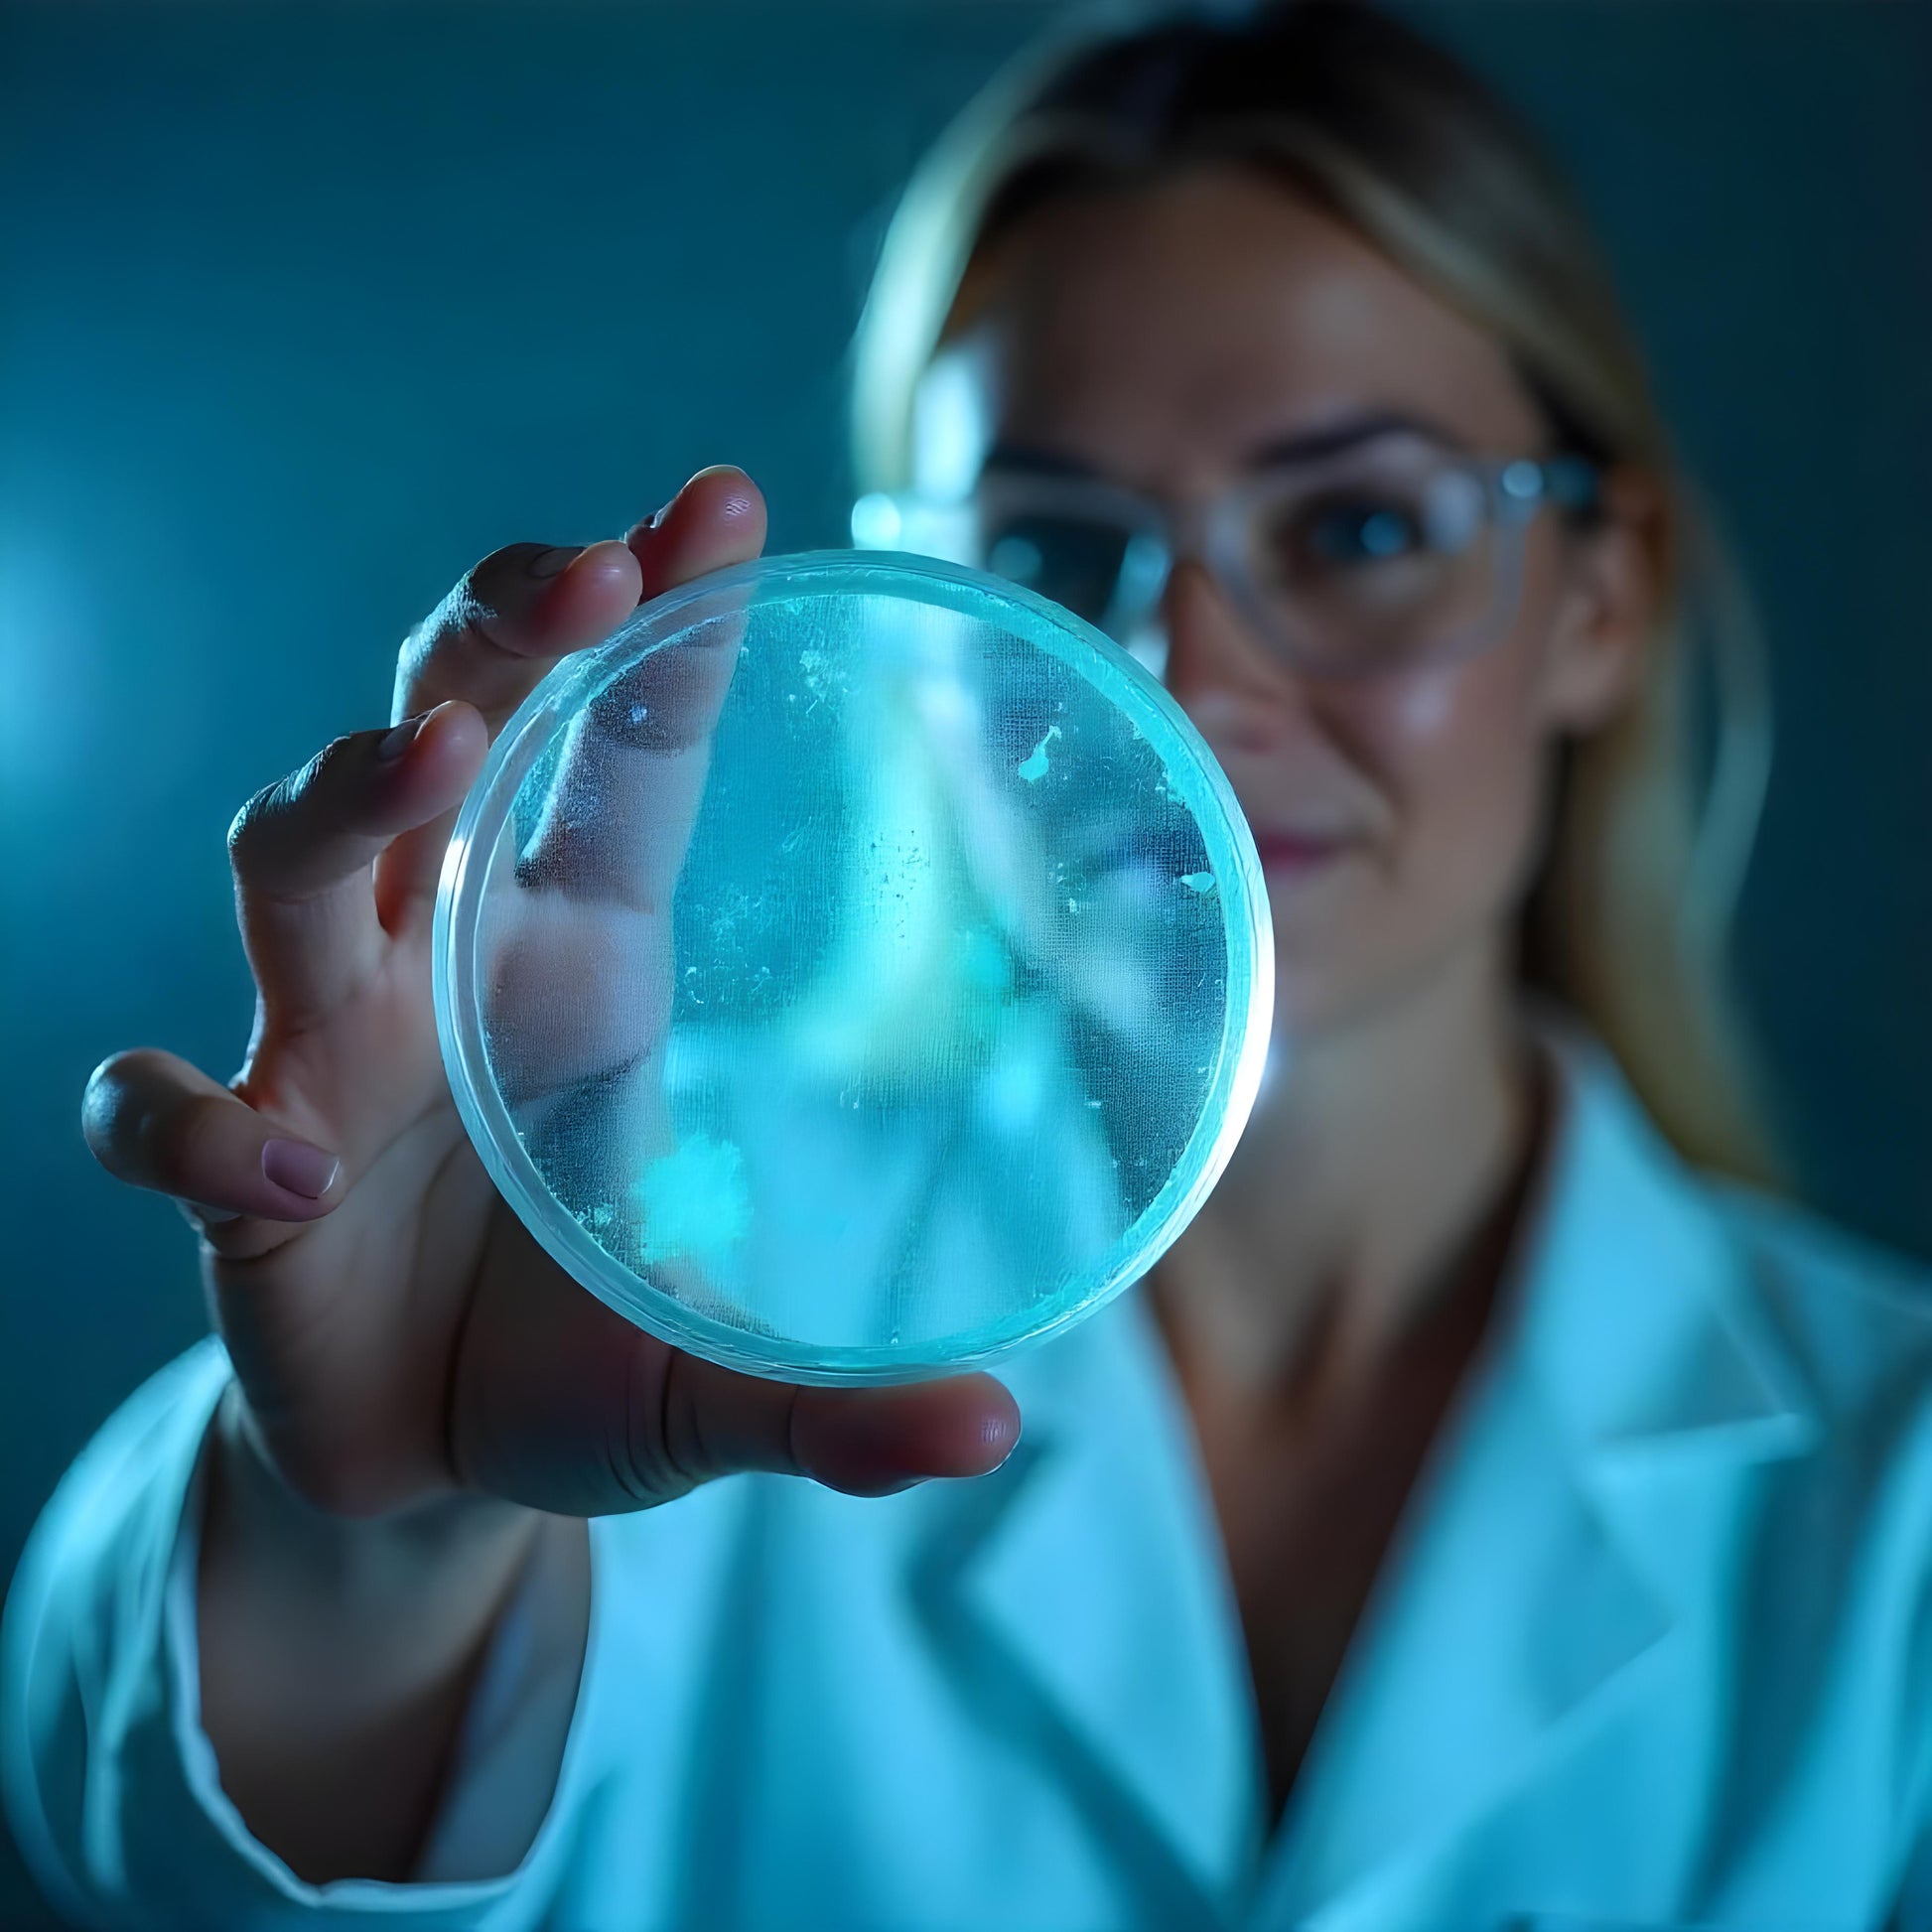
point(1651, 1648)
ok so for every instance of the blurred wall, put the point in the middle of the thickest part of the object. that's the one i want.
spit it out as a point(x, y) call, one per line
point(304, 306)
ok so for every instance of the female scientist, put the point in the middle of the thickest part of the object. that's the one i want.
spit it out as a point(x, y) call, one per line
point(1479, 1518)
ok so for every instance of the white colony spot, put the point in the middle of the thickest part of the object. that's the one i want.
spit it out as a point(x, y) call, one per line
point(1035, 767)
point(693, 1201)
point(1199, 882)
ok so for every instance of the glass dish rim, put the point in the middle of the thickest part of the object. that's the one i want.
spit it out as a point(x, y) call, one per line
point(1153, 712)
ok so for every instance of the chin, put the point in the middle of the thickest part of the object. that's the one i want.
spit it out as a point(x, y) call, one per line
point(1318, 997)
point(1331, 978)
point(1341, 951)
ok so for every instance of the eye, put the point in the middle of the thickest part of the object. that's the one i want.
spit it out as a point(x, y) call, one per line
point(1357, 530)
point(1075, 561)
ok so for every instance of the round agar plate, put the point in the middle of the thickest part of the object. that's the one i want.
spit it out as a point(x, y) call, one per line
point(853, 970)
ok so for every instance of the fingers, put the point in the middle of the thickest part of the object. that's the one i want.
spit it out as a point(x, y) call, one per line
point(618, 968)
point(866, 1441)
point(716, 518)
point(611, 839)
point(620, 810)
point(616, 820)
point(302, 851)
point(493, 639)
point(564, 1406)
point(497, 633)
point(489, 644)
point(872, 1442)
point(156, 1122)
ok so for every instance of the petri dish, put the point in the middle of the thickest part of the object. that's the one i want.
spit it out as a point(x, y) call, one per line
point(853, 970)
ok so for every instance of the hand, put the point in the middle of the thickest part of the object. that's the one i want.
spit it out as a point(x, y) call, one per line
point(397, 1335)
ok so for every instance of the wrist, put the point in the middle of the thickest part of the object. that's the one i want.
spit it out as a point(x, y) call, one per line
point(430, 1580)
point(338, 1656)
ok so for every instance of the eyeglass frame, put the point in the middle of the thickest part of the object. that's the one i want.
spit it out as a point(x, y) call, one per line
point(1213, 531)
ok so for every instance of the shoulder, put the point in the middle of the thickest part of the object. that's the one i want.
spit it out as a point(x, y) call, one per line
point(1816, 1262)
point(1683, 1253)
point(1779, 1318)
point(1854, 1318)
point(1668, 1303)
point(1840, 1535)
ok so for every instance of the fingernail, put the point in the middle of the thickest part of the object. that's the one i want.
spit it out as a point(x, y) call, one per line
point(554, 561)
point(393, 744)
point(301, 1169)
point(657, 516)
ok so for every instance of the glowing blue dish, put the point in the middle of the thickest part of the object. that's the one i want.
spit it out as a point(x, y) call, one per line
point(855, 970)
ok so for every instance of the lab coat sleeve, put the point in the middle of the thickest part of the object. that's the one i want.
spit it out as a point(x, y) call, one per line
point(110, 1783)
point(1909, 1530)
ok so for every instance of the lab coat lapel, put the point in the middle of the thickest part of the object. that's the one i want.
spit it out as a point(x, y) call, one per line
point(1083, 1593)
point(1565, 1525)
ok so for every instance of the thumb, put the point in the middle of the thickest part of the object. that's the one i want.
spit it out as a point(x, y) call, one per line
point(562, 1404)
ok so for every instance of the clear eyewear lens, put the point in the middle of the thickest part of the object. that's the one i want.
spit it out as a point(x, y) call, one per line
point(1353, 571)
point(1384, 559)
point(1092, 549)
point(1069, 542)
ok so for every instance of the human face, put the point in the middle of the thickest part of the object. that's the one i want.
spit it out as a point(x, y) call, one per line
point(1172, 340)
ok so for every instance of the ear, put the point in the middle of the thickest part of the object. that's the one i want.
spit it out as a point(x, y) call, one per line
point(1614, 580)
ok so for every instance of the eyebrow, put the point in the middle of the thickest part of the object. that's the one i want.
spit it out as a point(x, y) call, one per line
point(1304, 447)
point(1349, 432)
point(1034, 461)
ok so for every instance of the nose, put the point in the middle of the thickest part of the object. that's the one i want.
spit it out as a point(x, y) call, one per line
point(1235, 689)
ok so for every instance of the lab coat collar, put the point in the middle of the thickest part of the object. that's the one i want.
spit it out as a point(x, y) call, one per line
point(1569, 1519)
point(1552, 1543)
point(1635, 1309)
point(1084, 1598)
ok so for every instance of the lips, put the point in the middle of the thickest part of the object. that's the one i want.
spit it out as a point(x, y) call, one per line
point(1294, 855)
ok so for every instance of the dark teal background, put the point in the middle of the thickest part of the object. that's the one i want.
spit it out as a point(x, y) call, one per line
point(304, 306)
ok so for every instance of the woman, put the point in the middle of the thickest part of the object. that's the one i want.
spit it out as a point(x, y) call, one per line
point(1480, 1520)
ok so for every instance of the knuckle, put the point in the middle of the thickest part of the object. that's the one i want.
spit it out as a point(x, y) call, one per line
point(264, 818)
point(108, 1100)
point(326, 775)
point(467, 604)
point(120, 1070)
point(487, 606)
point(480, 600)
point(253, 823)
point(421, 646)
point(649, 1460)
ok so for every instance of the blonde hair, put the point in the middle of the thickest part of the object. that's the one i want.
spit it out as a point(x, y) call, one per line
point(1628, 921)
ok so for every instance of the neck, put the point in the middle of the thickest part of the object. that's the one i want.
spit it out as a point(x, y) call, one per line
point(1372, 1172)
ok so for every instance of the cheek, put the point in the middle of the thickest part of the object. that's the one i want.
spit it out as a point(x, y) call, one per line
point(1457, 758)
point(1459, 754)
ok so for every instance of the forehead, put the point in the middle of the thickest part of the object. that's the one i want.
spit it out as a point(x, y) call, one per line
point(1169, 335)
